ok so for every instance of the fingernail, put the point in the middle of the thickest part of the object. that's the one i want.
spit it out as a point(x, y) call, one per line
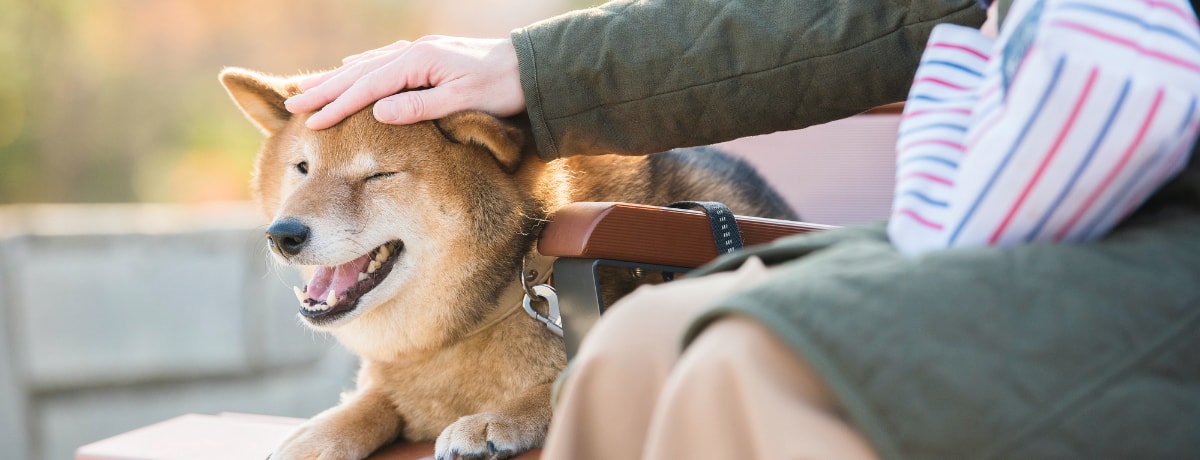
point(288, 103)
point(386, 111)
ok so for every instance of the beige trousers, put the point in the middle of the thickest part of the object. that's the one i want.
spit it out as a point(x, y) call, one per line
point(737, 392)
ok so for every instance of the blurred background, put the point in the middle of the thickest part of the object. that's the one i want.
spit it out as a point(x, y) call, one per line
point(134, 286)
point(134, 283)
point(117, 100)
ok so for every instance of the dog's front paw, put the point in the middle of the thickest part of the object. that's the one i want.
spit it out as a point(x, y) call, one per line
point(488, 436)
point(318, 441)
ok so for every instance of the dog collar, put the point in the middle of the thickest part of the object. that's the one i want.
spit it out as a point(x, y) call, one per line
point(533, 278)
point(534, 274)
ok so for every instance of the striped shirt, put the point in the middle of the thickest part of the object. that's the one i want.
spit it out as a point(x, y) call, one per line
point(1055, 131)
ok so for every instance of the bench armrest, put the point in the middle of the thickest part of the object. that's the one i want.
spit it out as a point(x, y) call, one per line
point(649, 234)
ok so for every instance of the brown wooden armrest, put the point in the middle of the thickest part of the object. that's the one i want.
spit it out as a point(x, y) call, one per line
point(895, 108)
point(649, 234)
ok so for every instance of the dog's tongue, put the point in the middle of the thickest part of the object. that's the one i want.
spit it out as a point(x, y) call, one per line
point(336, 279)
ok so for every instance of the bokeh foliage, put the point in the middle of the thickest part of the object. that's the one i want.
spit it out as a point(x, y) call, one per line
point(117, 100)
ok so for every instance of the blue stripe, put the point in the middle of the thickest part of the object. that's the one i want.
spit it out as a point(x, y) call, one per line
point(935, 159)
point(926, 97)
point(950, 126)
point(1137, 178)
point(1134, 19)
point(983, 114)
point(1118, 198)
point(926, 199)
point(1062, 194)
point(1187, 118)
point(954, 65)
point(1008, 156)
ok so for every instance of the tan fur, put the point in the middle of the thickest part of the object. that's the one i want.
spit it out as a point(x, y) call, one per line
point(467, 198)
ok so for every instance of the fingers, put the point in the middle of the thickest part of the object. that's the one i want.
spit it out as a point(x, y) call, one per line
point(331, 90)
point(360, 92)
point(375, 52)
point(322, 89)
point(458, 74)
point(370, 77)
point(312, 80)
point(413, 106)
point(314, 102)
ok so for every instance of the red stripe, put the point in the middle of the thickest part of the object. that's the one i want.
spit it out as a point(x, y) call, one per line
point(1112, 174)
point(988, 124)
point(920, 220)
point(1139, 194)
point(991, 90)
point(916, 113)
point(943, 142)
point(1058, 141)
point(977, 53)
point(1128, 43)
point(940, 82)
point(999, 114)
point(1185, 15)
point(1170, 163)
point(926, 176)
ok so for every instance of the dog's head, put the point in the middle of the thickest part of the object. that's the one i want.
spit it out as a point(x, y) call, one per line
point(402, 223)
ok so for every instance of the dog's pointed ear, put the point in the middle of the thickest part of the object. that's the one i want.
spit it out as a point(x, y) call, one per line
point(260, 97)
point(503, 139)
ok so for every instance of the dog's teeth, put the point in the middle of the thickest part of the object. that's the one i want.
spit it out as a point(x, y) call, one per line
point(373, 266)
point(362, 276)
point(300, 295)
point(384, 253)
point(332, 299)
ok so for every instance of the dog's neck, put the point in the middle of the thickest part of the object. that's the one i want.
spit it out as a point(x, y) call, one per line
point(534, 271)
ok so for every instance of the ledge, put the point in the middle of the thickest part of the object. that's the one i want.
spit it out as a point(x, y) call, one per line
point(227, 436)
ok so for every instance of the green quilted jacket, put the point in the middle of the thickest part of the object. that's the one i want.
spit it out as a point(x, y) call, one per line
point(647, 76)
point(1041, 351)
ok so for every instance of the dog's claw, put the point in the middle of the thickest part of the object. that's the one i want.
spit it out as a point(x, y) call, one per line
point(491, 447)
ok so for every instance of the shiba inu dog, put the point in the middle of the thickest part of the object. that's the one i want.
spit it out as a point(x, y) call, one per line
point(413, 238)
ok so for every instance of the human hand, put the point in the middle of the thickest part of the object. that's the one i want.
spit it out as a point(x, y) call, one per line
point(454, 74)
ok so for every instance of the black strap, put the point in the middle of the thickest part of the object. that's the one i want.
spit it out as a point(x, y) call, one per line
point(726, 233)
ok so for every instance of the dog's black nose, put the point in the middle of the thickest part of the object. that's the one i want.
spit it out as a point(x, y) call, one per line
point(288, 235)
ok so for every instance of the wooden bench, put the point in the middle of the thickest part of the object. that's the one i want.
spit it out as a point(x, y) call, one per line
point(226, 436)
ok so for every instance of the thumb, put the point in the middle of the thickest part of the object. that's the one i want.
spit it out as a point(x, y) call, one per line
point(414, 106)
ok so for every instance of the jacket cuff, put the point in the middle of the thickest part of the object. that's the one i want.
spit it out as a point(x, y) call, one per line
point(547, 148)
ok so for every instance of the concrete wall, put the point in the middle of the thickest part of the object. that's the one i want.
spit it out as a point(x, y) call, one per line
point(116, 316)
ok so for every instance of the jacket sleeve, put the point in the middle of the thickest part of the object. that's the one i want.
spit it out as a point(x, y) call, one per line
point(636, 77)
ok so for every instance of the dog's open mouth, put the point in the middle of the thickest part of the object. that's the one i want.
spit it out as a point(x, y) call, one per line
point(334, 291)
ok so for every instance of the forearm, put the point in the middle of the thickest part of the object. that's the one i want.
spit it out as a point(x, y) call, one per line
point(641, 77)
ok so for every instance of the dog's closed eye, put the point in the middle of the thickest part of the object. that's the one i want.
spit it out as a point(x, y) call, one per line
point(379, 176)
